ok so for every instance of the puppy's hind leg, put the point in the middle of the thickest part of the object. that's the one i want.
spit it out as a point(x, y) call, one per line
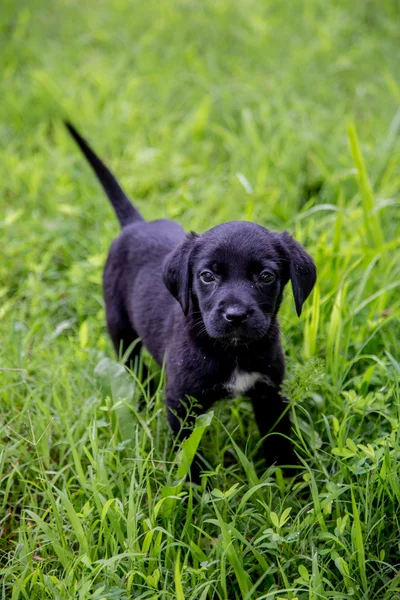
point(127, 345)
point(124, 338)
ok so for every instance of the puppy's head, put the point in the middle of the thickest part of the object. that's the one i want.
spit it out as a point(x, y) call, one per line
point(234, 274)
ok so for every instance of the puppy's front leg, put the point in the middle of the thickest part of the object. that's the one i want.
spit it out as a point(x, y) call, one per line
point(181, 414)
point(271, 412)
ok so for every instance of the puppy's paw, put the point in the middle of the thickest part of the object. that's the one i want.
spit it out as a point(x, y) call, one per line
point(282, 455)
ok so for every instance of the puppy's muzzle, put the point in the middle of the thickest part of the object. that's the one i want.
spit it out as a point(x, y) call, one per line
point(240, 322)
point(236, 315)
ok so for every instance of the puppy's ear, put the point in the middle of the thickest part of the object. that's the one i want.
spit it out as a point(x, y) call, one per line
point(302, 271)
point(177, 271)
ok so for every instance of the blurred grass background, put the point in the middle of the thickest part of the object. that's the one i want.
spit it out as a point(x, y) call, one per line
point(287, 114)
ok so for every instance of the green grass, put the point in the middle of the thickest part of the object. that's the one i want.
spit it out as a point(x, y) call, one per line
point(285, 113)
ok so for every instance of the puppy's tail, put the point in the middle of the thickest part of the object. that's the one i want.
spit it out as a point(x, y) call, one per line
point(123, 207)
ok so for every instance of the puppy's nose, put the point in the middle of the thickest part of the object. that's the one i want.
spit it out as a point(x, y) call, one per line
point(235, 315)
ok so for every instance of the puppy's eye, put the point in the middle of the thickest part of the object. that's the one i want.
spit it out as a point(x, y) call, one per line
point(267, 277)
point(207, 277)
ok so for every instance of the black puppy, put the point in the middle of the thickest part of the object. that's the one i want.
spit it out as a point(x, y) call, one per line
point(207, 304)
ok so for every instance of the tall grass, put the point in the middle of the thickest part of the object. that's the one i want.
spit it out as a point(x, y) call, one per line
point(282, 113)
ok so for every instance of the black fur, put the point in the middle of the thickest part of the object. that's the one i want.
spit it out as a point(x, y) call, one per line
point(207, 304)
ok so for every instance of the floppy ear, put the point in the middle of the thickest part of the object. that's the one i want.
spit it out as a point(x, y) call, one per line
point(177, 271)
point(302, 271)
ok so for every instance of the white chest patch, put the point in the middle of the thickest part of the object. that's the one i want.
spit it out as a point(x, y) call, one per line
point(241, 382)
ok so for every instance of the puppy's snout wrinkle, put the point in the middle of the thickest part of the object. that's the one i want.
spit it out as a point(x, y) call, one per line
point(236, 315)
